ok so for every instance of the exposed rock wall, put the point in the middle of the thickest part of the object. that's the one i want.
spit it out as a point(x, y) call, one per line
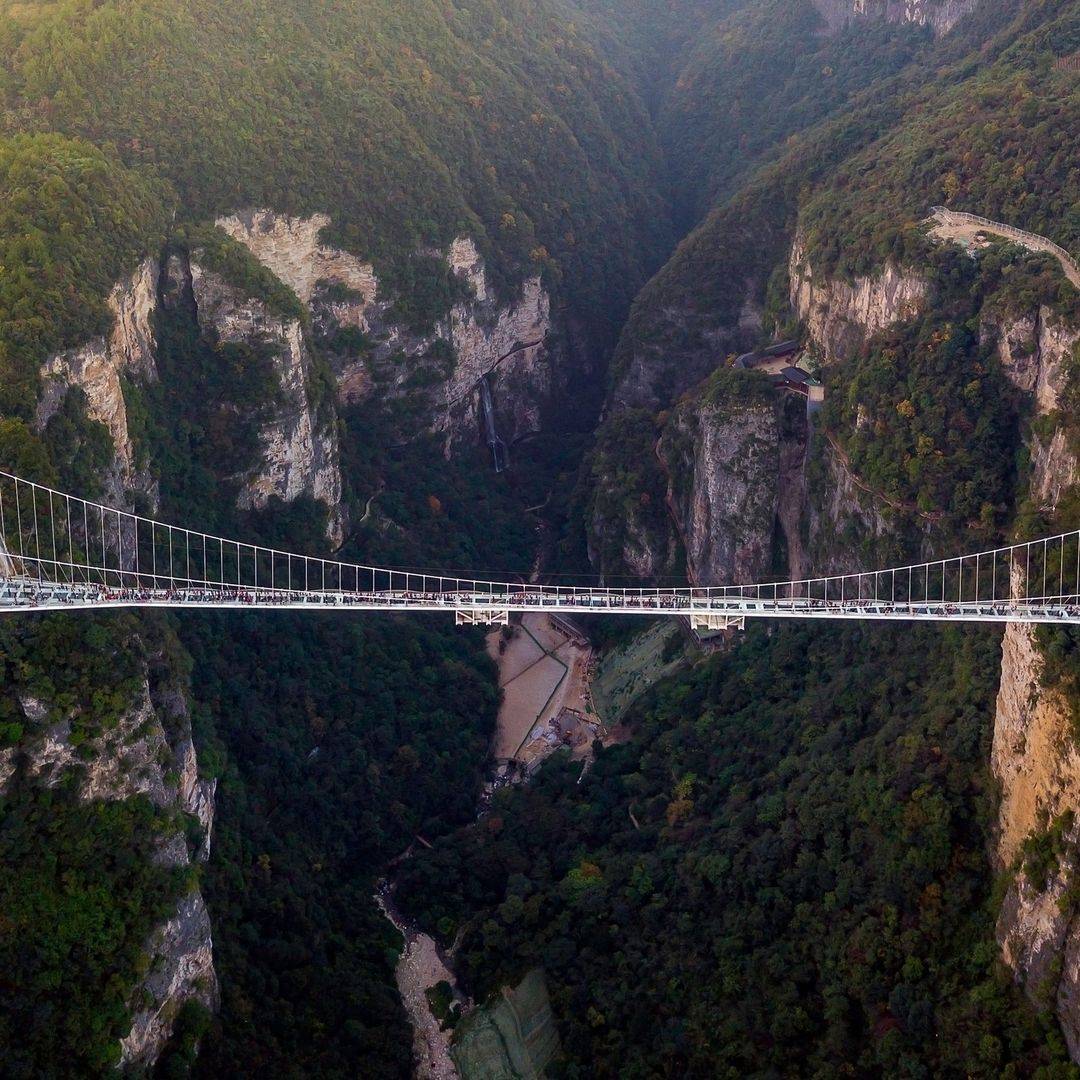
point(791, 493)
point(148, 752)
point(97, 367)
point(300, 454)
point(840, 526)
point(1036, 761)
point(1035, 757)
point(848, 528)
point(724, 465)
point(841, 316)
point(645, 555)
point(1035, 350)
point(942, 15)
point(183, 969)
point(1038, 941)
point(679, 348)
point(291, 248)
point(847, 525)
point(509, 341)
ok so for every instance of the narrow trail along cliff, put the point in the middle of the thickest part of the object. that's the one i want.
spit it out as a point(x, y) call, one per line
point(969, 229)
point(862, 485)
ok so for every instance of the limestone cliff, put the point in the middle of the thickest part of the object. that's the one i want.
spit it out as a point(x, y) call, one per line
point(942, 15)
point(847, 525)
point(674, 348)
point(837, 523)
point(148, 751)
point(299, 453)
point(724, 465)
point(1035, 756)
point(182, 964)
point(373, 352)
point(840, 316)
point(97, 369)
point(1035, 349)
point(1036, 761)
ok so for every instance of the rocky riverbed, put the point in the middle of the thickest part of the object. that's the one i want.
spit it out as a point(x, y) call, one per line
point(544, 672)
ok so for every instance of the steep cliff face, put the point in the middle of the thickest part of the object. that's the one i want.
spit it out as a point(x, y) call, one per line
point(841, 524)
point(97, 369)
point(942, 15)
point(291, 249)
point(661, 361)
point(1033, 754)
point(1035, 757)
point(840, 316)
point(848, 527)
point(646, 554)
point(182, 964)
point(148, 751)
point(725, 466)
point(299, 454)
point(1036, 761)
point(734, 455)
point(373, 352)
point(509, 343)
point(1035, 350)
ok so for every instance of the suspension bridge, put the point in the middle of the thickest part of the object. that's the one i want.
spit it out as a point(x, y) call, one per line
point(59, 552)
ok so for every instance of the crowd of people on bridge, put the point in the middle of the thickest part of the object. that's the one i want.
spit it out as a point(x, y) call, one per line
point(31, 593)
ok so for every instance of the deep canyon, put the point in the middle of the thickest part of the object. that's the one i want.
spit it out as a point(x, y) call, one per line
point(797, 851)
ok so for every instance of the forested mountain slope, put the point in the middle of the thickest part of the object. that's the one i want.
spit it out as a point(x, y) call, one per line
point(404, 195)
point(715, 898)
point(405, 123)
point(729, 285)
point(783, 873)
point(255, 261)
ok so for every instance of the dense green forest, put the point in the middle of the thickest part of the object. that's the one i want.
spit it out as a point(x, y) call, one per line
point(80, 888)
point(760, 75)
point(783, 873)
point(340, 741)
point(73, 219)
point(336, 741)
point(1011, 165)
point(407, 123)
point(80, 893)
point(783, 869)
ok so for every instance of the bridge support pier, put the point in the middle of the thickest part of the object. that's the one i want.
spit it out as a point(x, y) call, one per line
point(482, 617)
point(705, 621)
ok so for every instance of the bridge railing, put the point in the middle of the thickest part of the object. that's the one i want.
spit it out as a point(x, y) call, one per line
point(1030, 239)
point(64, 542)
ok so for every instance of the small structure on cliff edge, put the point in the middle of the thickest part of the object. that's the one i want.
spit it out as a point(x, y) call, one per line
point(780, 363)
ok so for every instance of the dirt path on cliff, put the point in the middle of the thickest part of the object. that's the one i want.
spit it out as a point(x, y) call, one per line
point(853, 476)
point(951, 225)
